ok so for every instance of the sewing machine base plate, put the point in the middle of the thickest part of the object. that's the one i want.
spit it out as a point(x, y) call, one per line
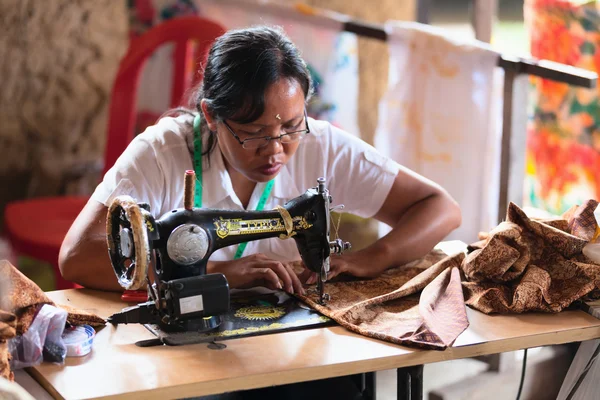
point(251, 313)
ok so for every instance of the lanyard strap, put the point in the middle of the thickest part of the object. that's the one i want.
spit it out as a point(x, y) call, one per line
point(259, 207)
point(198, 162)
point(198, 192)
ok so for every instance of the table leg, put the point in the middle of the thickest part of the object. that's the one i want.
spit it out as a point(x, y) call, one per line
point(410, 383)
point(370, 388)
point(366, 385)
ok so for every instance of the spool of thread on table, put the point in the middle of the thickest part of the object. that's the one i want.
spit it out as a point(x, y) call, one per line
point(78, 340)
point(189, 189)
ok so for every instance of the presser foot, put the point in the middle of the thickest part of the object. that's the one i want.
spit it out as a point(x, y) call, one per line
point(324, 299)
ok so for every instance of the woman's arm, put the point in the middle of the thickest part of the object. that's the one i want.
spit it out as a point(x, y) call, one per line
point(421, 214)
point(84, 259)
point(83, 255)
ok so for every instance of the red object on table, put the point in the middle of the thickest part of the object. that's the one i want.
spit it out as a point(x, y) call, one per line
point(135, 296)
point(37, 227)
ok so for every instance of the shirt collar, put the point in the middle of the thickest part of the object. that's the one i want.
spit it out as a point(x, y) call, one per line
point(285, 186)
point(217, 183)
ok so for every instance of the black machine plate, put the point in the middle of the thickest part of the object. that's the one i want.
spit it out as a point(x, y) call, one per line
point(252, 313)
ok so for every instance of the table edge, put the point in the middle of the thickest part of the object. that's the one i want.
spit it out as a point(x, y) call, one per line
point(348, 368)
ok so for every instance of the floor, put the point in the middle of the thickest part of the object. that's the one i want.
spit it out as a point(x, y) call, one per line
point(467, 379)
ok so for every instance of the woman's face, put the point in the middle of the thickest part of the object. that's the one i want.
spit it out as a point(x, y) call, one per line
point(284, 112)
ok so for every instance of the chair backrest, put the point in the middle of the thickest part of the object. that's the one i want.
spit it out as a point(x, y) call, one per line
point(192, 37)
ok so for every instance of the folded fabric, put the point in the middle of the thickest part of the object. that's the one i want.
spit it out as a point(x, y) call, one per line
point(419, 304)
point(78, 317)
point(532, 265)
point(22, 297)
point(8, 326)
point(524, 264)
point(20, 301)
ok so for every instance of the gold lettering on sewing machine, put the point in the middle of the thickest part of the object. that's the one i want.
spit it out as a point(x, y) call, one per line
point(238, 226)
point(149, 226)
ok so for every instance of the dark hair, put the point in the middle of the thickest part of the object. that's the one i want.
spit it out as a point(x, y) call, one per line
point(241, 65)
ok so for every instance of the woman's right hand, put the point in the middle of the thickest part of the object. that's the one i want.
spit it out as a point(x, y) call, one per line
point(258, 270)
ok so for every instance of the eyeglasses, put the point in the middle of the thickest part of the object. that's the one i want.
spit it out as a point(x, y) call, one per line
point(258, 142)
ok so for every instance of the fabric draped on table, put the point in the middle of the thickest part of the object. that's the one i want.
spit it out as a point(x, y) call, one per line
point(533, 265)
point(522, 265)
point(419, 304)
point(8, 327)
point(20, 300)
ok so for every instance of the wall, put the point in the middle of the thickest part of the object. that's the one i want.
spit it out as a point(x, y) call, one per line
point(58, 63)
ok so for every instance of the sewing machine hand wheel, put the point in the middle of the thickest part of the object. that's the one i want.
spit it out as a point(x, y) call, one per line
point(128, 244)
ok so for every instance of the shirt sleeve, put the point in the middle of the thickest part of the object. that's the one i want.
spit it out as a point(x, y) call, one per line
point(359, 176)
point(136, 173)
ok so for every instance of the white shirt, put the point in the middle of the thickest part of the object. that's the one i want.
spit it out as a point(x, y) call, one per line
point(152, 170)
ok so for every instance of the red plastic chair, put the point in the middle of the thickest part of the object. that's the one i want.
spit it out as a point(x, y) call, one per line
point(37, 227)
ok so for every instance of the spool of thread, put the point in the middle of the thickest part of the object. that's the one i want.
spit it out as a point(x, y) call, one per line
point(78, 340)
point(189, 188)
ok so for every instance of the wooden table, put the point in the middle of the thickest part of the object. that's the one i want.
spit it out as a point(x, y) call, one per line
point(117, 367)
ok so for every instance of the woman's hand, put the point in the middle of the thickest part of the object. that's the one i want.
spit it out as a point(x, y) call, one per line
point(351, 264)
point(258, 270)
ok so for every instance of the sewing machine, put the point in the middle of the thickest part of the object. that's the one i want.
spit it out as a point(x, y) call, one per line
point(178, 246)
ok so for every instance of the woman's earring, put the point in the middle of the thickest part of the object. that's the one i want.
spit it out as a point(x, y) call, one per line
point(211, 126)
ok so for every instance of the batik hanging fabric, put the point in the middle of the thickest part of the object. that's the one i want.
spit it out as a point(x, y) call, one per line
point(331, 55)
point(437, 118)
point(563, 144)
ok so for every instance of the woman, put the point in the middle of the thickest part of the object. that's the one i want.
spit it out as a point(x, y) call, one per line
point(250, 128)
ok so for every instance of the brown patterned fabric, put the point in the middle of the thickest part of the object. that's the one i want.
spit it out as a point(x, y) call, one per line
point(532, 265)
point(23, 298)
point(79, 317)
point(8, 326)
point(419, 304)
point(20, 300)
point(581, 220)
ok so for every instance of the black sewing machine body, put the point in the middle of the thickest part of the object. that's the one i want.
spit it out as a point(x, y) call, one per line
point(180, 243)
point(183, 235)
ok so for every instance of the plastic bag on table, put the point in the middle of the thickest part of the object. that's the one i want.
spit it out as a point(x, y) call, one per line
point(592, 249)
point(42, 341)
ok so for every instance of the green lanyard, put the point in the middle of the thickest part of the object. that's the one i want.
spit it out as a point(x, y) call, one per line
point(198, 191)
